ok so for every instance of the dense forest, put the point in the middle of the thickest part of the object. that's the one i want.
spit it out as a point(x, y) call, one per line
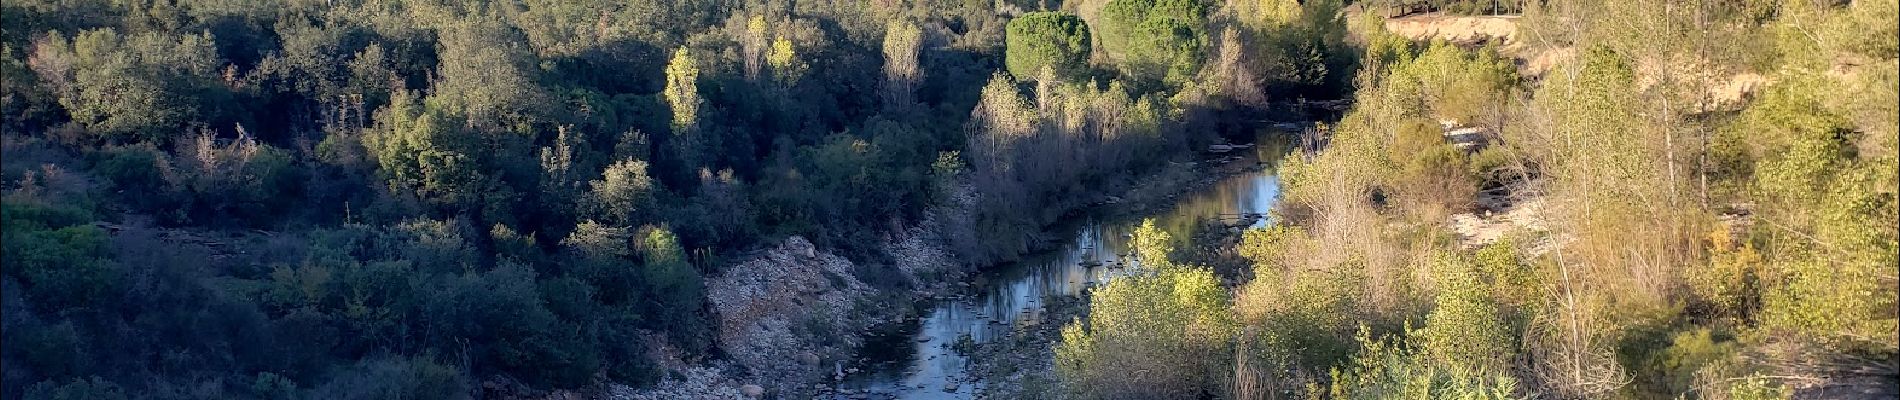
point(398, 199)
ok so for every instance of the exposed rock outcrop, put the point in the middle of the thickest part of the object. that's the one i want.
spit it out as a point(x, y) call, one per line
point(786, 314)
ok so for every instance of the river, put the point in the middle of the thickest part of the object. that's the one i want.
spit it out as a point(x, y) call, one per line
point(919, 363)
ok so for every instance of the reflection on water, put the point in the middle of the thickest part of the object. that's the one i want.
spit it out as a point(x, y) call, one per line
point(1015, 294)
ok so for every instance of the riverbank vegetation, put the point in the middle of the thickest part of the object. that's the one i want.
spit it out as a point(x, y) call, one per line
point(1713, 194)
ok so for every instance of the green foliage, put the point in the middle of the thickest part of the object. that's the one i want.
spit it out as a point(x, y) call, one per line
point(785, 63)
point(65, 264)
point(1162, 40)
point(1444, 81)
point(270, 386)
point(624, 194)
point(1393, 142)
point(1159, 334)
point(1047, 39)
point(1301, 321)
point(1390, 368)
point(673, 287)
point(1303, 305)
point(1045, 151)
point(487, 75)
point(903, 42)
point(1617, 283)
point(501, 310)
point(24, 100)
point(1758, 388)
point(1300, 48)
point(1825, 268)
point(1152, 246)
point(1465, 333)
point(682, 89)
point(424, 147)
point(241, 179)
point(1679, 362)
point(142, 86)
point(1731, 283)
point(1268, 14)
point(1265, 246)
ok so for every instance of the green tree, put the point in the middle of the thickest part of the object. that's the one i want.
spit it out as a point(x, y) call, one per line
point(428, 151)
point(752, 46)
point(623, 194)
point(682, 89)
point(143, 86)
point(560, 183)
point(673, 287)
point(1047, 39)
point(598, 242)
point(786, 65)
point(1154, 39)
point(902, 43)
point(489, 76)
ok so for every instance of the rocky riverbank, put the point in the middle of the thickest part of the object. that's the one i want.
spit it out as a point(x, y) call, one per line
point(793, 317)
point(1023, 365)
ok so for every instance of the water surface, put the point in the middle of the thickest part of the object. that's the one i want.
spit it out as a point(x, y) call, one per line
point(923, 366)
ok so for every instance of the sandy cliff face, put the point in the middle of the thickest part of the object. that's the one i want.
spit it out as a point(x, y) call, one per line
point(1726, 88)
point(1454, 28)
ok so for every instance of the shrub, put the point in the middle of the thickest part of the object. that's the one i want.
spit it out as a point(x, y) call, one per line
point(1465, 332)
point(1390, 368)
point(1164, 333)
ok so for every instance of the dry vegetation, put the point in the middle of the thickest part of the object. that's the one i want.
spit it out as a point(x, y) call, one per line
point(1723, 234)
